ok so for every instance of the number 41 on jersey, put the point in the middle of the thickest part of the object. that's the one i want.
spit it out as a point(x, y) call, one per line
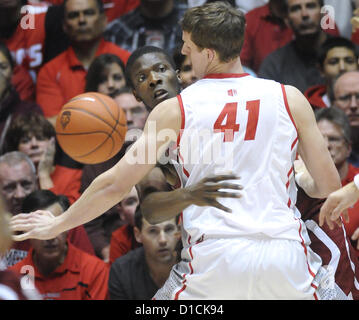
point(229, 127)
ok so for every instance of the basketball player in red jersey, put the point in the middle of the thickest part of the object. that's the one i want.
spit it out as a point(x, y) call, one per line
point(262, 245)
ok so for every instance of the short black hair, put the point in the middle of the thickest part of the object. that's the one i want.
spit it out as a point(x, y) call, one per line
point(139, 52)
point(95, 71)
point(99, 5)
point(139, 217)
point(41, 199)
point(6, 52)
point(334, 42)
point(338, 117)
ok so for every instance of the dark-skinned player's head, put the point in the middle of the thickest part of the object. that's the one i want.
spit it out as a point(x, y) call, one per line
point(151, 73)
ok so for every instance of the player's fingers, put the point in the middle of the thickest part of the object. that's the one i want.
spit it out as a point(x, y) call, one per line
point(215, 203)
point(337, 211)
point(19, 216)
point(22, 237)
point(226, 185)
point(21, 226)
point(355, 235)
point(345, 215)
point(221, 177)
point(222, 194)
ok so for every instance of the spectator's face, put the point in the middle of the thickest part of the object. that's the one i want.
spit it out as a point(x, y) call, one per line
point(154, 79)
point(16, 182)
point(136, 113)
point(304, 16)
point(83, 20)
point(339, 60)
point(159, 240)
point(34, 147)
point(127, 207)
point(338, 147)
point(346, 93)
point(53, 250)
point(187, 73)
point(112, 79)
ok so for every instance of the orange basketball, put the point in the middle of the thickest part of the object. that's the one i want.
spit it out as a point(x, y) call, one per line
point(91, 128)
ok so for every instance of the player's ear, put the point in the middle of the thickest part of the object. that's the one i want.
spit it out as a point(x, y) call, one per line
point(211, 54)
point(178, 76)
point(138, 235)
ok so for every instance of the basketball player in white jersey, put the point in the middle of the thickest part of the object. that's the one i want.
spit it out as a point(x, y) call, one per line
point(259, 250)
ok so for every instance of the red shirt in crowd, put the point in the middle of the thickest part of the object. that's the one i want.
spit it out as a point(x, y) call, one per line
point(77, 237)
point(122, 241)
point(67, 181)
point(23, 83)
point(80, 277)
point(64, 77)
point(113, 8)
point(315, 96)
point(263, 35)
point(27, 42)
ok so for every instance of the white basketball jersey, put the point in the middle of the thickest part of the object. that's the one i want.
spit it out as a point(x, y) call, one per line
point(235, 123)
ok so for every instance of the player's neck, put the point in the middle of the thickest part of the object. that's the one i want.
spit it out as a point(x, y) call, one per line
point(233, 66)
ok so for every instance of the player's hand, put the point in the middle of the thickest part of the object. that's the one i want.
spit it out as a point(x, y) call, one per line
point(35, 225)
point(206, 191)
point(337, 204)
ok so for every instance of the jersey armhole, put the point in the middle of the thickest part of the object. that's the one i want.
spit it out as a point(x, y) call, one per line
point(287, 107)
point(182, 119)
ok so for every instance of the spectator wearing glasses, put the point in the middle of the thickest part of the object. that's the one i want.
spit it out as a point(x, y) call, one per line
point(346, 97)
point(335, 128)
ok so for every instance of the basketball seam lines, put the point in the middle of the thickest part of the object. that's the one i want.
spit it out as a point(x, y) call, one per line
point(106, 106)
point(97, 117)
point(99, 146)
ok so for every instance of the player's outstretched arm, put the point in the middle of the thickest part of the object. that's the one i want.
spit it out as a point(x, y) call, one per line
point(337, 204)
point(160, 206)
point(312, 148)
point(110, 187)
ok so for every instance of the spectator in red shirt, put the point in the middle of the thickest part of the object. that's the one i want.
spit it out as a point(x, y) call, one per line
point(63, 77)
point(346, 97)
point(34, 135)
point(17, 180)
point(335, 128)
point(61, 271)
point(123, 239)
point(266, 31)
point(11, 103)
point(24, 35)
point(336, 56)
